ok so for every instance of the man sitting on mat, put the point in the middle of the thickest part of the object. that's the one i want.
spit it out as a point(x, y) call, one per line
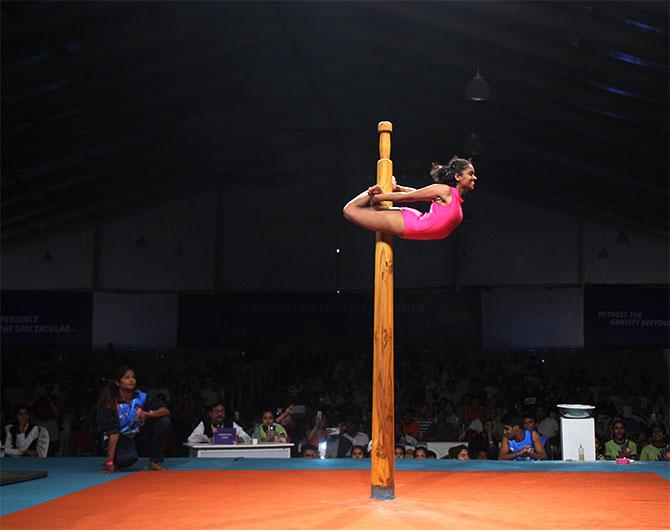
point(127, 418)
point(518, 443)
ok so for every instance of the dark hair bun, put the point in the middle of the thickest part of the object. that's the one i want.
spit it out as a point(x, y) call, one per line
point(446, 173)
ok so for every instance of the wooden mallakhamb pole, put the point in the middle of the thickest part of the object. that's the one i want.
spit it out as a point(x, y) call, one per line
point(383, 440)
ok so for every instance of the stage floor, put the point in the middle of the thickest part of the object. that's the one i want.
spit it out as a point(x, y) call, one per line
point(238, 493)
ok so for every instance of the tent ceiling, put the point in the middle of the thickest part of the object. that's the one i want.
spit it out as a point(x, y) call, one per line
point(107, 104)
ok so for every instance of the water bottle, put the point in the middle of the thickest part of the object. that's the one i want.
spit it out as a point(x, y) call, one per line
point(580, 452)
point(271, 433)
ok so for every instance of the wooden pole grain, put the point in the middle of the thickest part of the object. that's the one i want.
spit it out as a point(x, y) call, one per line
point(383, 440)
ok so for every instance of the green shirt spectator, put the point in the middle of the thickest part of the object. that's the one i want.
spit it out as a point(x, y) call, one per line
point(620, 446)
point(658, 448)
point(614, 450)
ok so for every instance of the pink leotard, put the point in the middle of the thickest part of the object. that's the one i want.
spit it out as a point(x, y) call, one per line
point(437, 223)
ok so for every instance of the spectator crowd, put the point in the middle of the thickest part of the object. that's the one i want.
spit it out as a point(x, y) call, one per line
point(323, 405)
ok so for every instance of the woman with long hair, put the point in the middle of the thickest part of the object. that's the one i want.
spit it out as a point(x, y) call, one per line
point(452, 180)
point(127, 418)
point(23, 438)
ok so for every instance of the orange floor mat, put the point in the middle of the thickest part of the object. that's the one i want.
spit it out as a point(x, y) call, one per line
point(308, 499)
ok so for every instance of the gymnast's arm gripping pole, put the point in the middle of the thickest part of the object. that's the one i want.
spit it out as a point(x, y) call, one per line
point(383, 424)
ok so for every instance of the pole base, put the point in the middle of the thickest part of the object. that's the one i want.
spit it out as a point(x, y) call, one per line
point(382, 493)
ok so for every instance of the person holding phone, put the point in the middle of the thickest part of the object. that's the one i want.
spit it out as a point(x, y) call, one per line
point(269, 430)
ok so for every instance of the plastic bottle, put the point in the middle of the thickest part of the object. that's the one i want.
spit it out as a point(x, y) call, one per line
point(580, 451)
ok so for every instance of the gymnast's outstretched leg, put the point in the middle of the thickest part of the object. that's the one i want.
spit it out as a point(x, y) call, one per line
point(360, 211)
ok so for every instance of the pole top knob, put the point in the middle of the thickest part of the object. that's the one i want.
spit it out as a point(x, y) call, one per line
point(384, 126)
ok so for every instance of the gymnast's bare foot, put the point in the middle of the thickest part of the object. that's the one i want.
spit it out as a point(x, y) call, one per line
point(155, 466)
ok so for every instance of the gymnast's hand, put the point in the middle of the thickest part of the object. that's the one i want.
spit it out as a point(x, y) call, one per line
point(395, 184)
point(375, 190)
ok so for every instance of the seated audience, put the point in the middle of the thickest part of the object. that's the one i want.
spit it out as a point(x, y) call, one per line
point(425, 420)
point(442, 430)
point(315, 430)
point(358, 451)
point(658, 449)
point(268, 430)
point(619, 446)
point(529, 424)
point(216, 419)
point(23, 438)
point(309, 451)
point(518, 443)
point(341, 444)
point(399, 451)
point(409, 425)
point(421, 453)
point(401, 437)
point(128, 419)
point(546, 425)
point(83, 431)
point(352, 432)
point(459, 452)
point(599, 448)
point(46, 409)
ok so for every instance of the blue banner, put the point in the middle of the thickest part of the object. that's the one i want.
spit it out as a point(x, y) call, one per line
point(32, 319)
point(626, 315)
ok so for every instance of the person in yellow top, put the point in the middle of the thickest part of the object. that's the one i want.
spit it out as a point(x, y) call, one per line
point(658, 449)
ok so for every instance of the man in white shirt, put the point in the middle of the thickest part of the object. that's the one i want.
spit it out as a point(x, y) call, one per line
point(204, 431)
point(546, 425)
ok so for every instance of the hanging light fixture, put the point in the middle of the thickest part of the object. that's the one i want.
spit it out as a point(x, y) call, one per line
point(178, 251)
point(622, 238)
point(142, 242)
point(477, 89)
point(473, 145)
point(603, 254)
point(47, 257)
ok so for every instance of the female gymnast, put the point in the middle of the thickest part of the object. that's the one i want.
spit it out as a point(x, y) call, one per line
point(452, 181)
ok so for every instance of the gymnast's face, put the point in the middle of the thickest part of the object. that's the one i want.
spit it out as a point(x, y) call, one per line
point(467, 178)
